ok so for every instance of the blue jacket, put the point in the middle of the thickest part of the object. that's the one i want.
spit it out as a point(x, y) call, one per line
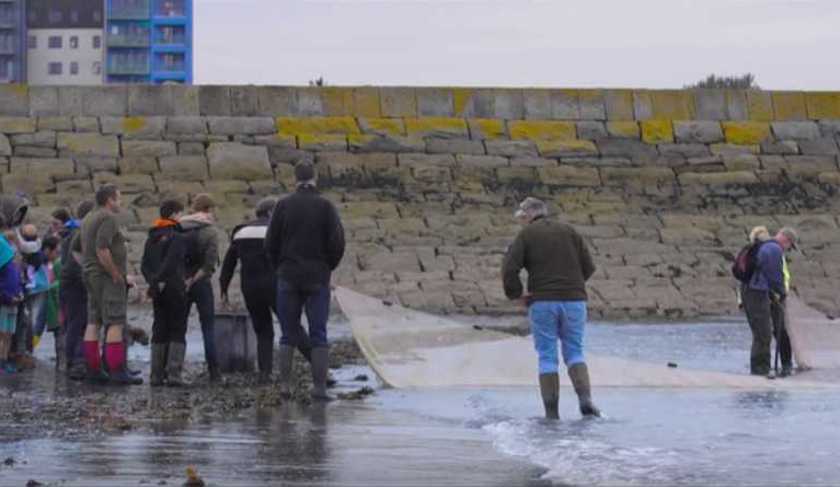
point(769, 275)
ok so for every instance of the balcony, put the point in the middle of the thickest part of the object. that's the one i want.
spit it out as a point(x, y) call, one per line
point(176, 67)
point(170, 8)
point(8, 22)
point(128, 68)
point(129, 10)
point(165, 38)
point(128, 40)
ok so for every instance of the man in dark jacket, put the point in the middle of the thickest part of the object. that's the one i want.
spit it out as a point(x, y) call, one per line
point(202, 257)
point(304, 243)
point(767, 285)
point(163, 267)
point(72, 296)
point(259, 285)
point(558, 265)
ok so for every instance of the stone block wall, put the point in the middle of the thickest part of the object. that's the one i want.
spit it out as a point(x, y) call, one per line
point(664, 185)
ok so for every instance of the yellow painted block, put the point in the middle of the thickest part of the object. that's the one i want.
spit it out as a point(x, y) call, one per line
point(487, 128)
point(322, 142)
point(541, 130)
point(760, 106)
point(436, 125)
point(673, 104)
point(746, 133)
point(625, 130)
point(132, 125)
point(384, 126)
point(317, 125)
point(789, 105)
point(823, 105)
point(337, 101)
point(366, 102)
point(552, 148)
point(657, 131)
point(460, 100)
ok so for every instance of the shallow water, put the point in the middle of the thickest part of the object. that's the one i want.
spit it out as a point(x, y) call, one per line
point(488, 436)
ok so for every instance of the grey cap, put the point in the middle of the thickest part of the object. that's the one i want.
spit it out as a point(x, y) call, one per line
point(266, 206)
point(304, 172)
point(531, 205)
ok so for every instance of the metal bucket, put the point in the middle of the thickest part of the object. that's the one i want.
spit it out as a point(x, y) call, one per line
point(236, 343)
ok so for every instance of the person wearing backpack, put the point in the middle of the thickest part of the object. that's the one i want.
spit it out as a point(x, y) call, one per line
point(164, 267)
point(202, 256)
point(764, 287)
point(11, 295)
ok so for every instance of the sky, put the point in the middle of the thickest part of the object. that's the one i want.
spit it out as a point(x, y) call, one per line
point(787, 44)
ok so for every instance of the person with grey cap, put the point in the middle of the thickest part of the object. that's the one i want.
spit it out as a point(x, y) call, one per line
point(764, 297)
point(258, 283)
point(304, 243)
point(558, 264)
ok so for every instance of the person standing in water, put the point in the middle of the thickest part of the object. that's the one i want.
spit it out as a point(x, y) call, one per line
point(558, 264)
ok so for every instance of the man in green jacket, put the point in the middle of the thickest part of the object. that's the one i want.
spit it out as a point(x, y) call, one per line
point(558, 265)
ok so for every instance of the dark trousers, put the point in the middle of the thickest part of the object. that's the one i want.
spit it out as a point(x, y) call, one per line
point(757, 307)
point(777, 315)
point(72, 298)
point(261, 302)
point(201, 294)
point(292, 301)
point(170, 316)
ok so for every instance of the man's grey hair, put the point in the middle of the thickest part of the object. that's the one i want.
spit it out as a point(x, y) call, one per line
point(532, 208)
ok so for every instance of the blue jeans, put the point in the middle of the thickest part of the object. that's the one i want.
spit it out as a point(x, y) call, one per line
point(201, 293)
point(292, 301)
point(551, 320)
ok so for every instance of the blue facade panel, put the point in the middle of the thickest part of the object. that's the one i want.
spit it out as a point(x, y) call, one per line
point(149, 41)
point(12, 42)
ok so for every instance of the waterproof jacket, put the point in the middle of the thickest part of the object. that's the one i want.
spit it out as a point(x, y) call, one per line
point(13, 209)
point(71, 269)
point(11, 284)
point(769, 272)
point(247, 245)
point(202, 244)
point(305, 238)
point(556, 258)
point(164, 257)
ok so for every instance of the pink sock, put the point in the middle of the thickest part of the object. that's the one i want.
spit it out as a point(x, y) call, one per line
point(91, 349)
point(115, 356)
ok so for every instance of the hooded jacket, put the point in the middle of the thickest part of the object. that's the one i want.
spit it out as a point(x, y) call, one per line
point(164, 261)
point(248, 246)
point(11, 284)
point(13, 209)
point(202, 244)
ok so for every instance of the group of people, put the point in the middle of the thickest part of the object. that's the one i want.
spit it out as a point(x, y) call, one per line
point(75, 281)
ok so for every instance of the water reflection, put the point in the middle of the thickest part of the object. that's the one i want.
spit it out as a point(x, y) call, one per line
point(768, 401)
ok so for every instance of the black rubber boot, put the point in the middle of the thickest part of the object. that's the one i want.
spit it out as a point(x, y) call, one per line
point(123, 378)
point(286, 359)
point(158, 372)
point(320, 370)
point(550, 392)
point(579, 374)
point(175, 364)
point(265, 360)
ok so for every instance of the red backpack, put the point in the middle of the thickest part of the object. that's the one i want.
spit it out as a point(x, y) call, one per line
point(746, 262)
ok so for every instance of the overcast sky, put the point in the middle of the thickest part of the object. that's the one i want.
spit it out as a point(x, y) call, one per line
point(787, 44)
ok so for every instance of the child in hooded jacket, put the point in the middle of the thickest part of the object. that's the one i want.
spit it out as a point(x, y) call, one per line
point(11, 295)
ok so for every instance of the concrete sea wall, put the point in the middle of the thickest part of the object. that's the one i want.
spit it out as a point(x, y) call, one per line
point(664, 185)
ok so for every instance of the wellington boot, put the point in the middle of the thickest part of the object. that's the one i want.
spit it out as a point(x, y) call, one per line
point(60, 354)
point(158, 372)
point(550, 392)
point(320, 370)
point(175, 364)
point(579, 375)
point(286, 359)
point(265, 359)
point(123, 378)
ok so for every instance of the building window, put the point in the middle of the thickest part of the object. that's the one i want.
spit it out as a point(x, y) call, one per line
point(54, 42)
point(55, 16)
point(32, 42)
point(97, 42)
point(33, 15)
point(74, 42)
point(97, 67)
point(74, 16)
point(54, 69)
point(97, 16)
point(74, 68)
point(5, 70)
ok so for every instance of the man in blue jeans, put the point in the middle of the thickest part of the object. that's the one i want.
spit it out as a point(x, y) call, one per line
point(304, 244)
point(558, 265)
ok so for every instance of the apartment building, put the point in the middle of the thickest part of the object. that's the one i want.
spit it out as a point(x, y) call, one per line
point(64, 42)
point(12, 43)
